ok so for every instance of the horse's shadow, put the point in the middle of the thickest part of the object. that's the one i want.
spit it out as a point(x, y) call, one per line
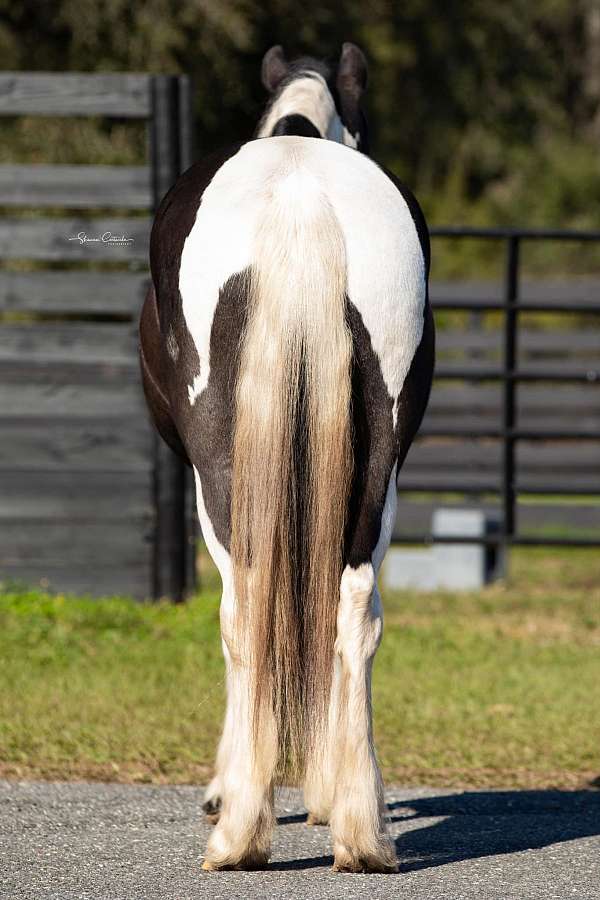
point(483, 823)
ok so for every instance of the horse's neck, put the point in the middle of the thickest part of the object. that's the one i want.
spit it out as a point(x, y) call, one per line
point(309, 97)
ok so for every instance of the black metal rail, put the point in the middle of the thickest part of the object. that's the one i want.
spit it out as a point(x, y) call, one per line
point(508, 486)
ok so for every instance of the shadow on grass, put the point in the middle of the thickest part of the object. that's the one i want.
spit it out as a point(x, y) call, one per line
point(477, 824)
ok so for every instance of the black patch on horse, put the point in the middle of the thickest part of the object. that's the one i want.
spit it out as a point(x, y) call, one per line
point(296, 124)
point(207, 427)
point(373, 444)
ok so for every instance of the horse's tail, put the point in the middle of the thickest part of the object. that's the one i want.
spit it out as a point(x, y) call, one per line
point(292, 461)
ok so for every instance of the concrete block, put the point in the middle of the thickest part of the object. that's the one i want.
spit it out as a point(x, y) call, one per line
point(447, 566)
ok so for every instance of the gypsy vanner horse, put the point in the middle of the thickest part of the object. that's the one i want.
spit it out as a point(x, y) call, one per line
point(287, 355)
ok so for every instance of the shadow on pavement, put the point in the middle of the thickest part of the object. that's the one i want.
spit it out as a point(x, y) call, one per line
point(488, 823)
point(478, 823)
point(314, 862)
point(291, 819)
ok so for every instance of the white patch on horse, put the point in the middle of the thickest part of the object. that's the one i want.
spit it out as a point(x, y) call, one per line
point(388, 520)
point(219, 245)
point(219, 554)
point(386, 267)
point(222, 559)
point(195, 389)
point(172, 345)
point(349, 140)
point(309, 97)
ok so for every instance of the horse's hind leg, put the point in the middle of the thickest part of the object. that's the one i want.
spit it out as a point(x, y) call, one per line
point(360, 838)
point(361, 842)
point(242, 790)
point(241, 838)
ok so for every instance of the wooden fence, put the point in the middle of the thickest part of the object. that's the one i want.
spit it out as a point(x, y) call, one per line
point(90, 499)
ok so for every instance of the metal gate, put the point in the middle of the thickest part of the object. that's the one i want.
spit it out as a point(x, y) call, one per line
point(514, 415)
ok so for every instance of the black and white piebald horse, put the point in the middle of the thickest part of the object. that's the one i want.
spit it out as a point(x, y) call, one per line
point(287, 355)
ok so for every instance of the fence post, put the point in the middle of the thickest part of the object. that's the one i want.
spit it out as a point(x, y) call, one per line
point(511, 292)
point(171, 545)
point(186, 158)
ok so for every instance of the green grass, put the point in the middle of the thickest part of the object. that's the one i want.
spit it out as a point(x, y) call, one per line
point(499, 687)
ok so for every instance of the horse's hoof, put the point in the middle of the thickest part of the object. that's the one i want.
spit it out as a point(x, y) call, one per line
point(345, 861)
point(365, 867)
point(248, 863)
point(253, 862)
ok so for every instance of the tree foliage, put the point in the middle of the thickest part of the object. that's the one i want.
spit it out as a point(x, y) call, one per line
point(490, 111)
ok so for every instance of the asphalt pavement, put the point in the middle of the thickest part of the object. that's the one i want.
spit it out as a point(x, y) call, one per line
point(116, 842)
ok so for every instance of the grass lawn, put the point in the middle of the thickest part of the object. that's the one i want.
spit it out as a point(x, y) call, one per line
point(497, 688)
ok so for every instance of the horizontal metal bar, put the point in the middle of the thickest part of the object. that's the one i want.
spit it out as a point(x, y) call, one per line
point(494, 539)
point(532, 234)
point(482, 374)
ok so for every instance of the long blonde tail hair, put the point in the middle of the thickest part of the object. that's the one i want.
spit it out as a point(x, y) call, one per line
point(292, 461)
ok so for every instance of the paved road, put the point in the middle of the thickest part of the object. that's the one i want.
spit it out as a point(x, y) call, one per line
point(103, 842)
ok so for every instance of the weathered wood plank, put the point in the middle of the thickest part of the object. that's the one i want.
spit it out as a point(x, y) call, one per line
point(99, 444)
point(74, 94)
point(441, 455)
point(125, 187)
point(484, 482)
point(88, 343)
point(111, 399)
point(485, 399)
point(70, 543)
point(75, 496)
point(127, 580)
point(575, 290)
point(471, 368)
point(464, 290)
point(538, 406)
point(53, 373)
point(549, 341)
point(108, 293)
point(559, 421)
point(414, 517)
point(75, 239)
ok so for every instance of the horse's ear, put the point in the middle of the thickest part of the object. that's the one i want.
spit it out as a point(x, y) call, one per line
point(352, 71)
point(274, 68)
